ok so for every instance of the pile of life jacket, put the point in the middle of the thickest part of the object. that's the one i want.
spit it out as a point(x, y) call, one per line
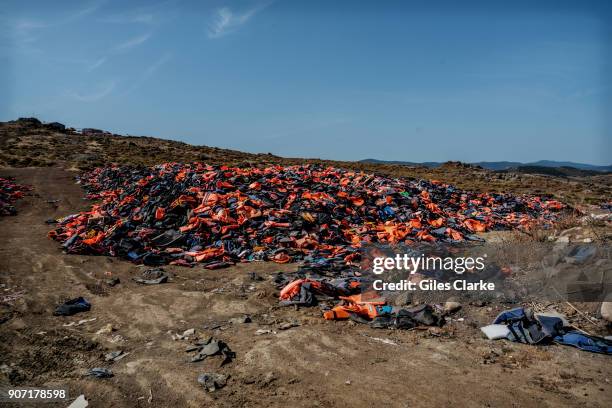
point(9, 193)
point(353, 301)
point(216, 216)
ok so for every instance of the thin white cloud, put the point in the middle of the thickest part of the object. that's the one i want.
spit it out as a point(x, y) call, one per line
point(97, 64)
point(149, 14)
point(142, 18)
point(27, 31)
point(25, 25)
point(133, 42)
point(148, 72)
point(100, 93)
point(226, 21)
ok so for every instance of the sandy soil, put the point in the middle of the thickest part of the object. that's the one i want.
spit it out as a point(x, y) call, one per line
point(317, 363)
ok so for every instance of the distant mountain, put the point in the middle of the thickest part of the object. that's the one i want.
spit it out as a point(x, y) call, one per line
point(403, 163)
point(563, 171)
point(505, 165)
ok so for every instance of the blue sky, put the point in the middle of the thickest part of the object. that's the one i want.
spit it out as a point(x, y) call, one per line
point(337, 80)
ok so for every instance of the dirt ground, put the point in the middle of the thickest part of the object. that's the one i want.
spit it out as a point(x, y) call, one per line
point(316, 363)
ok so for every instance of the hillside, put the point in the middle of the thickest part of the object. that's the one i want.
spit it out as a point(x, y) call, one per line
point(30, 143)
point(505, 165)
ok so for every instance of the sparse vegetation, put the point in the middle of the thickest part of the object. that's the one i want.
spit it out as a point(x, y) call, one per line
point(27, 144)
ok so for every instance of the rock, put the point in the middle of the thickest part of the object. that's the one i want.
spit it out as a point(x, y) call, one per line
point(29, 121)
point(268, 379)
point(189, 332)
point(114, 355)
point(606, 311)
point(241, 320)
point(451, 306)
point(91, 131)
point(58, 127)
point(288, 325)
point(212, 381)
point(108, 329)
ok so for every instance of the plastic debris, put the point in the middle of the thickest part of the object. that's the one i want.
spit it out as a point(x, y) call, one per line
point(496, 331)
point(100, 372)
point(523, 326)
point(72, 306)
point(10, 192)
point(115, 355)
point(211, 347)
point(80, 402)
point(152, 277)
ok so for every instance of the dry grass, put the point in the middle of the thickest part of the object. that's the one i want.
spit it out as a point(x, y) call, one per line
point(35, 146)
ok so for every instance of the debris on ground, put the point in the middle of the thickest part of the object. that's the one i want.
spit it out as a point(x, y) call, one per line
point(525, 326)
point(152, 277)
point(288, 325)
point(183, 336)
point(365, 307)
point(384, 341)
point(241, 320)
point(80, 322)
point(211, 347)
point(212, 381)
point(184, 214)
point(106, 329)
point(72, 307)
point(115, 355)
point(451, 306)
point(10, 192)
point(100, 372)
point(80, 402)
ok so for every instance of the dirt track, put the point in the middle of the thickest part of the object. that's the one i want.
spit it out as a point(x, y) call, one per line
point(318, 363)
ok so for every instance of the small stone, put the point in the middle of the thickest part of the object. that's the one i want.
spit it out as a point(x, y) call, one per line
point(451, 307)
point(113, 355)
point(212, 381)
point(288, 325)
point(268, 379)
point(108, 329)
point(241, 320)
point(188, 332)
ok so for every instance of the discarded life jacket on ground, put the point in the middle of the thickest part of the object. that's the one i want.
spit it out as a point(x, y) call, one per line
point(375, 312)
point(357, 305)
point(303, 291)
point(529, 328)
